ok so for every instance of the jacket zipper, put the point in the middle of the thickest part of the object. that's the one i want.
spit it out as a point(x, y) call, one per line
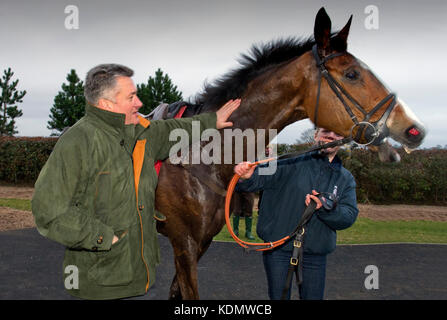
point(137, 157)
point(140, 143)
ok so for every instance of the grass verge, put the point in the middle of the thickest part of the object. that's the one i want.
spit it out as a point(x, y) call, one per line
point(363, 231)
point(366, 231)
point(19, 204)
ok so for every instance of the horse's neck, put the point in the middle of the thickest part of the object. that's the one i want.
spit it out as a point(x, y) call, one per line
point(275, 99)
point(272, 101)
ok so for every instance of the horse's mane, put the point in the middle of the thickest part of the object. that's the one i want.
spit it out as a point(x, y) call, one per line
point(261, 57)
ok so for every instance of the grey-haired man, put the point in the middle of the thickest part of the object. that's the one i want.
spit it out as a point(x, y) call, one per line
point(95, 194)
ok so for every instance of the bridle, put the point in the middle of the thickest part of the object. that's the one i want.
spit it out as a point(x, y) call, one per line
point(373, 132)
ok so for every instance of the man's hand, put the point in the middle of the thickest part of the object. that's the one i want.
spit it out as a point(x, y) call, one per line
point(115, 239)
point(314, 197)
point(244, 169)
point(224, 113)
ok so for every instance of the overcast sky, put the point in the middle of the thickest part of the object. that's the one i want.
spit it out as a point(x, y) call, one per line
point(199, 40)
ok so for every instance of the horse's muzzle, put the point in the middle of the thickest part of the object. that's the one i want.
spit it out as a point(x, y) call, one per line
point(414, 135)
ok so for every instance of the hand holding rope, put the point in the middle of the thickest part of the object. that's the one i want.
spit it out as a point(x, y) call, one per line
point(264, 246)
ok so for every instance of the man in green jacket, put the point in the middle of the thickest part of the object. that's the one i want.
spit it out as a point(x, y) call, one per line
point(95, 194)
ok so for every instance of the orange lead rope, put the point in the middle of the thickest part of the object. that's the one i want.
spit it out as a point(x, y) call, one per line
point(264, 246)
point(269, 245)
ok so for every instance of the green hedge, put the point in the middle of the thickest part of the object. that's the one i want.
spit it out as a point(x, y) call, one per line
point(420, 178)
point(21, 159)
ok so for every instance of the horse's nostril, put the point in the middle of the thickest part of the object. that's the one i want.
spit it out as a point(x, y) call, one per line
point(414, 133)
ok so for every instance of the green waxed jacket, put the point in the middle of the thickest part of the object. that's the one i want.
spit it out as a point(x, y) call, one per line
point(98, 182)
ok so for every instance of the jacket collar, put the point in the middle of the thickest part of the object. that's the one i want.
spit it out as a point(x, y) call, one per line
point(336, 163)
point(111, 119)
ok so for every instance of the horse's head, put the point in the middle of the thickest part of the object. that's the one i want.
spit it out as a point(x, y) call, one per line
point(349, 99)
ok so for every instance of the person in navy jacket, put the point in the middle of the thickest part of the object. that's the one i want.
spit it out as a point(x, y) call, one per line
point(286, 193)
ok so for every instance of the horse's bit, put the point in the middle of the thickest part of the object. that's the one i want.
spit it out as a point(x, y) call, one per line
point(375, 132)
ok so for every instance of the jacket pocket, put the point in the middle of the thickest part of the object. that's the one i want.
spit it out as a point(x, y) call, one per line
point(114, 267)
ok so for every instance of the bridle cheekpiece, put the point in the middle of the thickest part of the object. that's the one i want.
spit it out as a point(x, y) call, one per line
point(373, 132)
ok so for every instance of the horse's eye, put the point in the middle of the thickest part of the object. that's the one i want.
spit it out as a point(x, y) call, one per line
point(352, 75)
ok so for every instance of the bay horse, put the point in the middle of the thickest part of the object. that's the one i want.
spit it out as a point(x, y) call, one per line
point(278, 84)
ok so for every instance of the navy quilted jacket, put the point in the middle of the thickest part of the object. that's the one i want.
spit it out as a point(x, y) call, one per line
point(283, 198)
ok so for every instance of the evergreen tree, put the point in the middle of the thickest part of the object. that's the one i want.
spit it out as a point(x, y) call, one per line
point(8, 103)
point(69, 104)
point(157, 90)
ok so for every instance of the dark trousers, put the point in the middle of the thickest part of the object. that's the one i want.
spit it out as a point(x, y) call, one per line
point(276, 264)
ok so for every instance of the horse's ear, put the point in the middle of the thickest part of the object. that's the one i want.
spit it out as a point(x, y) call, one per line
point(322, 30)
point(341, 39)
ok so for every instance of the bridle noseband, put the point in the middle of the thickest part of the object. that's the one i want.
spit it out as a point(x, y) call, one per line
point(374, 132)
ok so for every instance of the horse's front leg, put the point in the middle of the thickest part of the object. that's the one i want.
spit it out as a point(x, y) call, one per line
point(185, 280)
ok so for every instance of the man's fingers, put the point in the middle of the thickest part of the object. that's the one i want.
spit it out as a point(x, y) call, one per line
point(307, 201)
point(225, 112)
point(230, 106)
point(233, 104)
point(226, 125)
point(241, 171)
point(309, 197)
point(244, 169)
point(319, 204)
point(248, 169)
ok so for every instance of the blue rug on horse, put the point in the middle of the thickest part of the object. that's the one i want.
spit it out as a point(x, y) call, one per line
point(31, 268)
